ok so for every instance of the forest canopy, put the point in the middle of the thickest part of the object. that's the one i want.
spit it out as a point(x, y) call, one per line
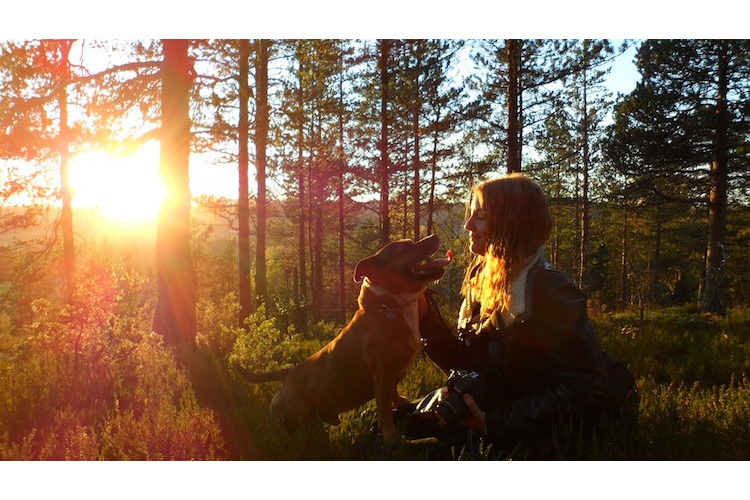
point(338, 145)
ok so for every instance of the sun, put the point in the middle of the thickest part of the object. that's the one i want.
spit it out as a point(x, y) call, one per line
point(126, 189)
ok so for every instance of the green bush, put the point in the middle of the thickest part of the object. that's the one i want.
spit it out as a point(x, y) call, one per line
point(263, 347)
point(90, 381)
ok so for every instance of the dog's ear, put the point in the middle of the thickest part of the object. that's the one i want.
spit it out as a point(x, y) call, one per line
point(361, 269)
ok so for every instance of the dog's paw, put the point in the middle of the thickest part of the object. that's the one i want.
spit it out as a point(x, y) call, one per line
point(389, 434)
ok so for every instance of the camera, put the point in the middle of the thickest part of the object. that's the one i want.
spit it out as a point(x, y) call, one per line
point(453, 409)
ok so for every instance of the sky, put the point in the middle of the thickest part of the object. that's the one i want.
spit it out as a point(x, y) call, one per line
point(104, 183)
point(221, 180)
point(376, 19)
point(623, 76)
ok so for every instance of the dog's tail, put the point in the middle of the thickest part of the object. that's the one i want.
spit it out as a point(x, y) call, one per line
point(257, 378)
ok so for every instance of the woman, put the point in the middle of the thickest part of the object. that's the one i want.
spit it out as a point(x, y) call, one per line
point(524, 333)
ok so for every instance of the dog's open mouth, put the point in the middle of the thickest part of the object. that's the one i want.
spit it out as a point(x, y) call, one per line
point(432, 267)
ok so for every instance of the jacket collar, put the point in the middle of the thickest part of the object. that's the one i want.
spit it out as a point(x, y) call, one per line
point(519, 290)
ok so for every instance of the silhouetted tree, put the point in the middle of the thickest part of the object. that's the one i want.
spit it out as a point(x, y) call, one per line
point(243, 202)
point(261, 139)
point(174, 317)
point(384, 49)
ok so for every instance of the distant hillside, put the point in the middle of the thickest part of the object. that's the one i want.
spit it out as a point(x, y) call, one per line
point(93, 227)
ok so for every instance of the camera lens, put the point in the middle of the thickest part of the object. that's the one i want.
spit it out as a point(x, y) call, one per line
point(453, 409)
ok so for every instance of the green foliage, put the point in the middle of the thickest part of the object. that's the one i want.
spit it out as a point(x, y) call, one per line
point(264, 347)
point(217, 324)
point(90, 381)
point(680, 345)
point(692, 374)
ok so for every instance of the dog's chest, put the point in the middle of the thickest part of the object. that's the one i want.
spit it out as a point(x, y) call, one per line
point(411, 317)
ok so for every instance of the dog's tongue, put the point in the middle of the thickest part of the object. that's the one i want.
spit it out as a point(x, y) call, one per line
point(440, 262)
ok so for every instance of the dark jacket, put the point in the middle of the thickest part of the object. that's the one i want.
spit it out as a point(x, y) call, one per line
point(545, 368)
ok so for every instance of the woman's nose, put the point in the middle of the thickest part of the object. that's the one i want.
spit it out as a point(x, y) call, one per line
point(469, 224)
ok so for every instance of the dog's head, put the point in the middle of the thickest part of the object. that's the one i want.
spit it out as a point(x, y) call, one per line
point(404, 265)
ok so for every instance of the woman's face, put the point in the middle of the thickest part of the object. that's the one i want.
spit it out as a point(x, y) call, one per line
point(478, 227)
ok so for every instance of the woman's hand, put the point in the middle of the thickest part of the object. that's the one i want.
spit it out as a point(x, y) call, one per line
point(477, 419)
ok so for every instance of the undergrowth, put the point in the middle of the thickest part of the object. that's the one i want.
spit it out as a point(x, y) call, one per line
point(90, 381)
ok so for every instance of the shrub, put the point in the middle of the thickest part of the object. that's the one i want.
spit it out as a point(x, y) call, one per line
point(262, 346)
point(89, 380)
point(217, 324)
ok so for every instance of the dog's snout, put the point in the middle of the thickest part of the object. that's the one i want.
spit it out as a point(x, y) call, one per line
point(431, 243)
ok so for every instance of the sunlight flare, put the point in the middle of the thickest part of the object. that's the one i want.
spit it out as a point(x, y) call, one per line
point(123, 188)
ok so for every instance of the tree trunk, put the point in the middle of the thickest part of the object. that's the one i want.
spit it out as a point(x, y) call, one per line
point(66, 192)
point(656, 267)
point(317, 184)
point(318, 298)
point(340, 193)
point(302, 303)
point(261, 138)
point(716, 258)
point(512, 47)
point(579, 227)
point(624, 261)
point(385, 223)
point(585, 216)
point(519, 93)
point(433, 170)
point(174, 318)
point(243, 203)
point(417, 160)
point(416, 189)
point(405, 220)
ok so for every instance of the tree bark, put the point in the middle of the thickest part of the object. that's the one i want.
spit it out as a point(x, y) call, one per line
point(433, 173)
point(585, 216)
point(174, 318)
point(66, 192)
point(656, 266)
point(302, 303)
point(713, 293)
point(261, 139)
point(243, 203)
point(385, 223)
point(624, 261)
point(417, 160)
point(514, 165)
point(340, 193)
point(416, 189)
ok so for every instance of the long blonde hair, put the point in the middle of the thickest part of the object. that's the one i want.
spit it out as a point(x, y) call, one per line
point(520, 222)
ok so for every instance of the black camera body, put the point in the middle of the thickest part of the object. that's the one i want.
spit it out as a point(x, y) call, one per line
point(453, 409)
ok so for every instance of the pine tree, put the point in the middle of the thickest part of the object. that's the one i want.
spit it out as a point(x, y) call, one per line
point(243, 202)
point(174, 317)
point(384, 57)
point(697, 87)
point(261, 139)
point(34, 133)
point(590, 99)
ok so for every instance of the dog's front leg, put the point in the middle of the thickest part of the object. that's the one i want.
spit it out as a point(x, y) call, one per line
point(384, 389)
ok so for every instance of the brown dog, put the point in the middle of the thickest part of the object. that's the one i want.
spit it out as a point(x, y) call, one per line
point(374, 351)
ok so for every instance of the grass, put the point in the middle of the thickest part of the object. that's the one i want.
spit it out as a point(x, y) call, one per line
point(692, 373)
point(90, 382)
